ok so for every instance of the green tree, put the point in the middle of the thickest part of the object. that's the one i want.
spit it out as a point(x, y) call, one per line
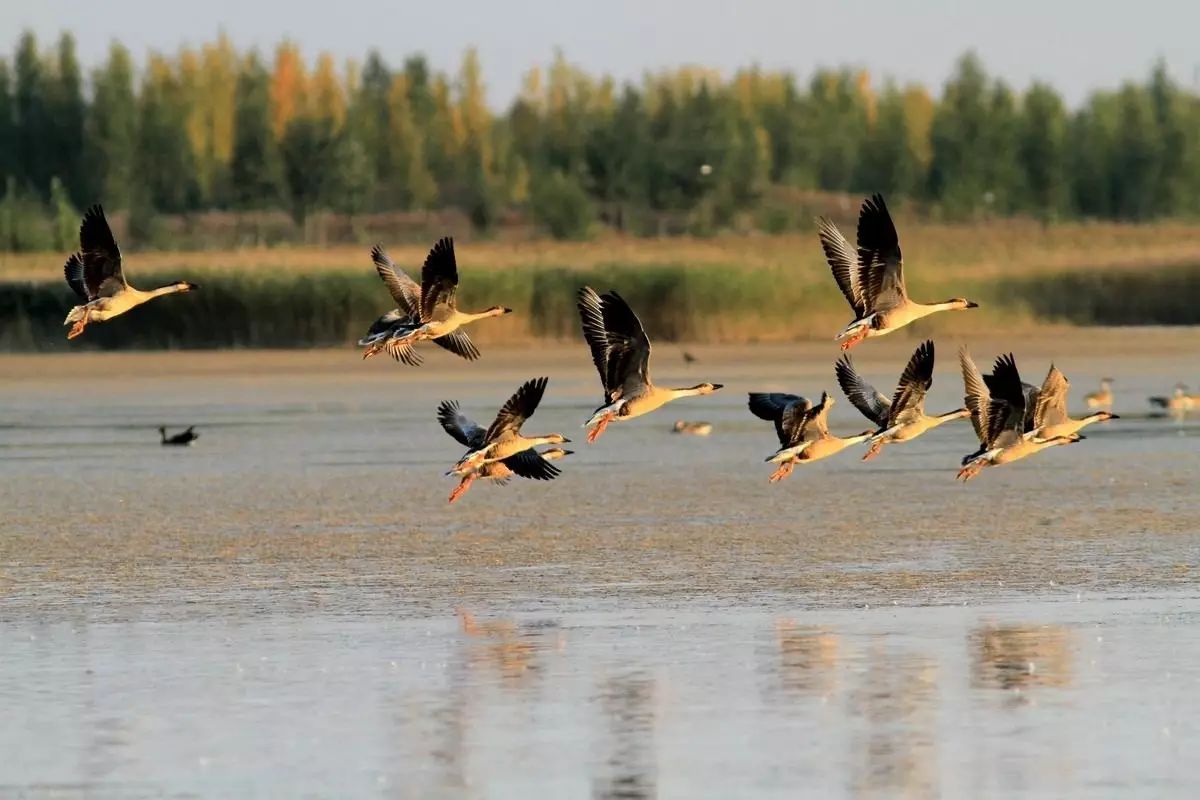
point(888, 162)
point(561, 204)
point(8, 126)
point(1093, 131)
point(1137, 156)
point(164, 163)
point(111, 132)
point(34, 130)
point(254, 166)
point(67, 109)
point(1043, 152)
point(308, 150)
point(958, 177)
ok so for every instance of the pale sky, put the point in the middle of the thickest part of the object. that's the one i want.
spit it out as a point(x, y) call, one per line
point(1078, 45)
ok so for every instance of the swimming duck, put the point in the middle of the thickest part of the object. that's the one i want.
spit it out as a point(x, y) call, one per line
point(96, 276)
point(1179, 400)
point(425, 312)
point(621, 353)
point(872, 279)
point(525, 464)
point(802, 428)
point(998, 413)
point(184, 438)
point(503, 438)
point(903, 417)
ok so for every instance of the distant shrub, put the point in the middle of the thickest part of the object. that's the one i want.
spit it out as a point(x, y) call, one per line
point(561, 204)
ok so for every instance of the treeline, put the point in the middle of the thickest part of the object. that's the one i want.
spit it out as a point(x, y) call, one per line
point(683, 151)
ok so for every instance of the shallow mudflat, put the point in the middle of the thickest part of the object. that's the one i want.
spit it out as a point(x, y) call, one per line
point(273, 610)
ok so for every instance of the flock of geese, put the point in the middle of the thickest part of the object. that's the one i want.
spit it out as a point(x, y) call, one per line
point(1012, 419)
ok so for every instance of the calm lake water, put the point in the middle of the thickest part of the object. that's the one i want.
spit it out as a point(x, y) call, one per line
point(291, 608)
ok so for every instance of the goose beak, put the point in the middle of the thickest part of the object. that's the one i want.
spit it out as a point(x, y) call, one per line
point(508, 311)
point(568, 452)
point(1114, 416)
point(566, 440)
point(972, 304)
point(718, 386)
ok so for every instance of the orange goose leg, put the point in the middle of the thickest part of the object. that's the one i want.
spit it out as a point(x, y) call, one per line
point(462, 487)
point(595, 432)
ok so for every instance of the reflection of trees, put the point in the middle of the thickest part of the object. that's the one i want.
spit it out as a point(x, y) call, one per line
point(807, 658)
point(894, 703)
point(1021, 656)
point(628, 770)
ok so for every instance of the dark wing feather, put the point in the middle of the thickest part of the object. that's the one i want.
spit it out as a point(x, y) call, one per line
point(73, 272)
point(101, 257)
point(787, 411)
point(862, 395)
point(519, 408)
point(628, 345)
point(914, 383)
point(881, 273)
point(460, 344)
point(439, 279)
point(591, 318)
point(528, 464)
point(403, 289)
point(463, 430)
point(1007, 407)
point(843, 262)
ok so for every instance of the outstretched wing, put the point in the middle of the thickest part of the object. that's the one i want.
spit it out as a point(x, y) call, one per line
point(843, 262)
point(915, 381)
point(102, 273)
point(862, 395)
point(881, 274)
point(460, 344)
point(787, 411)
point(463, 430)
point(529, 464)
point(628, 363)
point(816, 421)
point(519, 408)
point(977, 398)
point(73, 272)
point(591, 318)
point(1006, 412)
point(403, 289)
point(439, 279)
point(1051, 405)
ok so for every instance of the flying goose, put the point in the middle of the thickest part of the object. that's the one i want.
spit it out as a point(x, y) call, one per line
point(184, 438)
point(1102, 397)
point(504, 438)
point(872, 279)
point(1050, 417)
point(802, 428)
point(1179, 400)
point(903, 417)
point(525, 464)
point(998, 413)
point(621, 353)
point(95, 274)
point(429, 311)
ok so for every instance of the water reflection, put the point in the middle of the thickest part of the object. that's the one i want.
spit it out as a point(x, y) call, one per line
point(807, 658)
point(893, 705)
point(507, 649)
point(628, 770)
point(1021, 656)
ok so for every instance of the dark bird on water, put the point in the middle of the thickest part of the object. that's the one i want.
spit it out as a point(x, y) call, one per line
point(185, 438)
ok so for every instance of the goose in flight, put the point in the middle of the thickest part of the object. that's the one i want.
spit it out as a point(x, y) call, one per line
point(999, 415)
point(184, 438)
point(802, 428)
point(525, 464)
point(1050, 417)
point(425, 312)
point(903, 417)
point(872, 278)
point(96, 276)
point(503, 438)
point(621, 353)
